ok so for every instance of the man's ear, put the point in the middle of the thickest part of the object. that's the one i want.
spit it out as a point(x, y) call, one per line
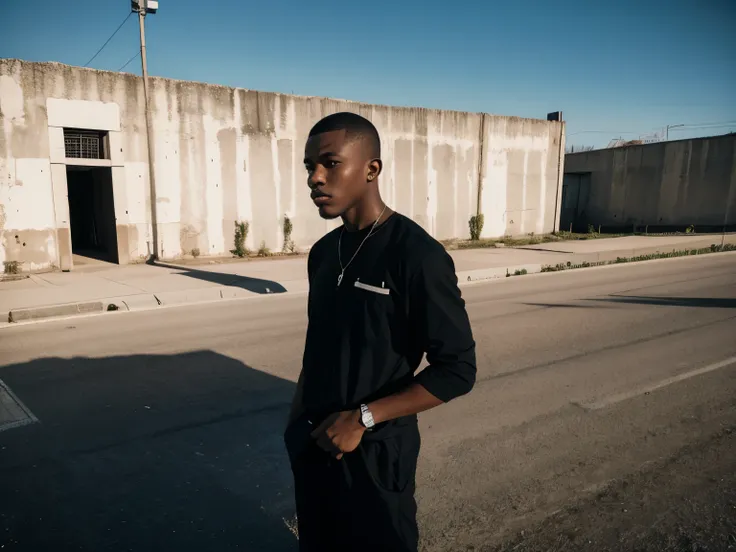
point(374, 169)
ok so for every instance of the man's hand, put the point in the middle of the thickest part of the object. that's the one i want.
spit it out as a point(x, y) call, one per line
point(340, 433)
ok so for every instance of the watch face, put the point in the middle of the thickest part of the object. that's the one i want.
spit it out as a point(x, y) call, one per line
point(367, 419)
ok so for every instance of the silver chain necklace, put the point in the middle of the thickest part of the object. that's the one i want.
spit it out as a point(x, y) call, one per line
point(339, 247)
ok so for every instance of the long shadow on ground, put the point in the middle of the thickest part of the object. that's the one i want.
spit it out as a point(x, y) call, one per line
point(254, 285)
point(180, 452)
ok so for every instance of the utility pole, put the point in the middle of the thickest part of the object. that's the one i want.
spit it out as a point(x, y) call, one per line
point(144, 7)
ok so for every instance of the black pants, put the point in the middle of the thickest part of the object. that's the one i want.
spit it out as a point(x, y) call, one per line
point(363, 502)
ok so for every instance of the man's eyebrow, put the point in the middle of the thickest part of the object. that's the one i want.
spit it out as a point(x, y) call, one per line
point(322, 155)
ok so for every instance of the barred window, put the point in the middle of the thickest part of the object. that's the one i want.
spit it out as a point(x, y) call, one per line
point(85, 144)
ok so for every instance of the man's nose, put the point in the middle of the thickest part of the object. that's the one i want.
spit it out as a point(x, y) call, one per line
point(317, 178)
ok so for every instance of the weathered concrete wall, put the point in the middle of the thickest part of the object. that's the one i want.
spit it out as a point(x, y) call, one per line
point(663, 185)
point(224, 154)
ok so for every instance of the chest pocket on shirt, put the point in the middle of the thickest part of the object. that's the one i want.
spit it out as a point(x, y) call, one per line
point(372, 289)
point(374, 309)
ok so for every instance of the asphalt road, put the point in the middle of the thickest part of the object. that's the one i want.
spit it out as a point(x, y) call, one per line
point(162, 430)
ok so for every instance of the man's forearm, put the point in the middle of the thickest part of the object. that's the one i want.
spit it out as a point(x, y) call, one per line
point(412, 400)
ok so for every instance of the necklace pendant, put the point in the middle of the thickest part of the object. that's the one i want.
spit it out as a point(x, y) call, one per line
point(339, 279)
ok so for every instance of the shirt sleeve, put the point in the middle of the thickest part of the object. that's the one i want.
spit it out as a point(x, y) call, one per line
point(437, 311)
point(311, 267)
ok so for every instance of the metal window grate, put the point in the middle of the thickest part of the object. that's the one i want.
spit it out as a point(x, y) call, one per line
point(83, 144)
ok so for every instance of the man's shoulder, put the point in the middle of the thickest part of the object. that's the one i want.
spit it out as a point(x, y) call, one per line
point(414, 243)
point(413, 239)
point(324, 242)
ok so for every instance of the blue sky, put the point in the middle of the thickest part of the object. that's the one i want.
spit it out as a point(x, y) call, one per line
point(620, 68)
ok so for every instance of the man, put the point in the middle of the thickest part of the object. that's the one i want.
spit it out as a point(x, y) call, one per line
point(382, 293)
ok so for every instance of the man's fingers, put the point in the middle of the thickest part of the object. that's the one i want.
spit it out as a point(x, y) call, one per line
point(325, 443)
point(324, 426)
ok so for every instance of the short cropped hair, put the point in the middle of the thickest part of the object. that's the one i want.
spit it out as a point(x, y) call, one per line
point(355, 127)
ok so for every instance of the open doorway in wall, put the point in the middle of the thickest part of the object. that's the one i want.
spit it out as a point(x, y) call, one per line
point(575, 192)
point(92, 213)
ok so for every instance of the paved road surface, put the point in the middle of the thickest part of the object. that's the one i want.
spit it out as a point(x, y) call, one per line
point(596, 389)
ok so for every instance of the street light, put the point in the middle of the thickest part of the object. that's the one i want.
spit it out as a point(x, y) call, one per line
point(667, 129)
point(144, 7)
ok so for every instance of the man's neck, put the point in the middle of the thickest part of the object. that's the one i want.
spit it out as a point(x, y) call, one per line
point(364, 215)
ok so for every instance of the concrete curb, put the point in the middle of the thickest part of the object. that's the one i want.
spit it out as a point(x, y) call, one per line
point(151, 301)
point(55, 311)
point(494, 273)
point(144, 301)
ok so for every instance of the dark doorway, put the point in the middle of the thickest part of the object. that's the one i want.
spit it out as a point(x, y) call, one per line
point(92, 212)
point(575, 192)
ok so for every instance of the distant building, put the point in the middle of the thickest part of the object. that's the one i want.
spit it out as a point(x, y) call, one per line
point(665, 186)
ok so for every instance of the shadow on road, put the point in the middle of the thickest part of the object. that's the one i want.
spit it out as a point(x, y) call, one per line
point(146, 452)
point(254, 285)
point(702, 302)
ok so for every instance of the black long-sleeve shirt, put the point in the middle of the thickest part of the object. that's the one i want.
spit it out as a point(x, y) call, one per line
point(398, 300)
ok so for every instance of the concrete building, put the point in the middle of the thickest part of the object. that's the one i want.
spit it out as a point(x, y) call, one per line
point(663, 186)
point(74, 167)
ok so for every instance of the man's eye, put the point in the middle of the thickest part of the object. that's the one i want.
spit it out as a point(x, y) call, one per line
point(330, 164)
point(309, 169)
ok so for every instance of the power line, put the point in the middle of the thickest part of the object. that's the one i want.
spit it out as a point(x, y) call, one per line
point(713, 127)
point(718, 123)
point(131, 59)
point(109, 39)
point(684, 127)
point(601, 132)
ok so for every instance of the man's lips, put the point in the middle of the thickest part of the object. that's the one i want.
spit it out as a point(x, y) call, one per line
point(320, 199)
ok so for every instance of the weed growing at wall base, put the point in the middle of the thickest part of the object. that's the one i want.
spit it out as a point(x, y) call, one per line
point(12, 267)
point(241, 234)
point(653, 256)
point(289, 245)
point(263, 250)
point(476, 226)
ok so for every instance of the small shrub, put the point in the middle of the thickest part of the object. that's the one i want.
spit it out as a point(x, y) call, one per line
point(690, 229)
point(289, 245)
point(241, 235)
point(195, 252)
point(264, 251)
point(476, 226)
point(12, 267)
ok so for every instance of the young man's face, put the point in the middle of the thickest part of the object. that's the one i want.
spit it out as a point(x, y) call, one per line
point(338, 170)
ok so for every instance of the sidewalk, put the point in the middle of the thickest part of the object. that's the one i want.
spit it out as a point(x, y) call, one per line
point(99, 287)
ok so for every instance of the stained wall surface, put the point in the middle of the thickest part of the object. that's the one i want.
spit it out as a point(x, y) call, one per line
point(224, 155)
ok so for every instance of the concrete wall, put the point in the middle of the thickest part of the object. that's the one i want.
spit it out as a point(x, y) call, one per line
point(664, 185)
point(224, 154)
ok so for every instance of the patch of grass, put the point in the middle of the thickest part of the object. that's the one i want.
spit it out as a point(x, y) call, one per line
point(263, 250)
point(531, 239)
point(653, 256)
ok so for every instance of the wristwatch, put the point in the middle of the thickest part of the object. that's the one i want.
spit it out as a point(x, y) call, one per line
point(366, 417)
